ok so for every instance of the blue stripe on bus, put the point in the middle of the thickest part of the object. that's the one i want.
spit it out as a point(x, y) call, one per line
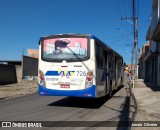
point(56, 73)
point(89, 92)
point(53, 73)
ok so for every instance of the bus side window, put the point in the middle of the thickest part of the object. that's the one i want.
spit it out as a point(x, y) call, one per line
point(99, 56)
point(97, 49)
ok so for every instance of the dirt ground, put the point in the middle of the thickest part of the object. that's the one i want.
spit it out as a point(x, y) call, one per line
point(18, 89)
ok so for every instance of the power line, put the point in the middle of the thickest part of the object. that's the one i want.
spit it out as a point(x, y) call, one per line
point(124, 8)
point(118, 7)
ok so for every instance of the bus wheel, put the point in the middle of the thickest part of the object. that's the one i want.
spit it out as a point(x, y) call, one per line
point(110, 89)
point(106, 91)
point(121, 81)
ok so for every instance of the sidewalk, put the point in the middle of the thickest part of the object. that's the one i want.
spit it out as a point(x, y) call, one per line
point(18, 89)
point(146, 104)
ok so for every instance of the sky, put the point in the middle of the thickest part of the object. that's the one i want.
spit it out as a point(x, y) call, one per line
point(23, 22)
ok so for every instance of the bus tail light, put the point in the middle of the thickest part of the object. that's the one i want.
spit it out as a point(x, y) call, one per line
point(42, 79)
point(89, 79)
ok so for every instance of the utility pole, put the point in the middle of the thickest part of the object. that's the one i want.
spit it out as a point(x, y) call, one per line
point(135, 46)
point(135, 4)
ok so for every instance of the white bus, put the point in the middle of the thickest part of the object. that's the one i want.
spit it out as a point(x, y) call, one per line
point(78, 65)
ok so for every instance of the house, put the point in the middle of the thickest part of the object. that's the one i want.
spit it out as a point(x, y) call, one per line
point(143, 53)
point(10, 71)
point(33, 53)
point(152, 59)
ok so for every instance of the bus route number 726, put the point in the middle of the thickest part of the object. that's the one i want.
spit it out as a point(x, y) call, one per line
point(81, 73)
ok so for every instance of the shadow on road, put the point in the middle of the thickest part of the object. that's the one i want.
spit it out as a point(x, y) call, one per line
point(83, 102)
point(152, 87)
point(80, 102)
point(124, 117)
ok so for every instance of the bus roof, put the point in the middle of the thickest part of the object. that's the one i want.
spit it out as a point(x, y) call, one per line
point(93, 37)
point(65, 34)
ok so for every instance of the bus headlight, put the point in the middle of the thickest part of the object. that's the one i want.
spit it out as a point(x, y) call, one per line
point(89, 79)
point(42, 79)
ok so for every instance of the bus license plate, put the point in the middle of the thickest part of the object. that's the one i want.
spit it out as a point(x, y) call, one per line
point(65, 86)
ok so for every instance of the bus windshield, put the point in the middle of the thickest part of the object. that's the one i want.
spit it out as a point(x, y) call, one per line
point(58, 49)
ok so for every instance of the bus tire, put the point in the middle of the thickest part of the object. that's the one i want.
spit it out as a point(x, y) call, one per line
point(106, 90)
point(121, 81)
point(110, 89)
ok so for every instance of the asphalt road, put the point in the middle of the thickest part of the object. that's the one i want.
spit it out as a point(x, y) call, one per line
point(39, 108)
